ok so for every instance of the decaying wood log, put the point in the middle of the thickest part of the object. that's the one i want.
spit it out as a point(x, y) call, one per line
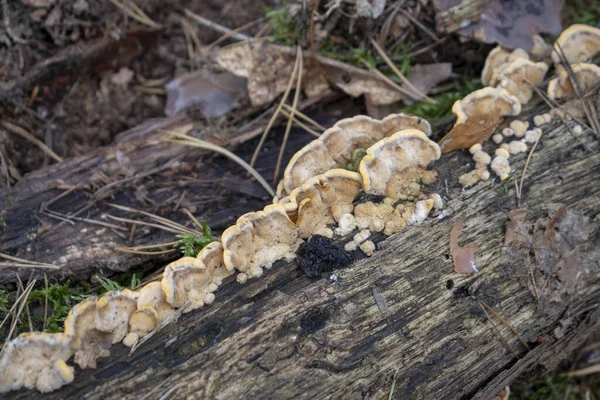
point(140, 171)
point(287, 336)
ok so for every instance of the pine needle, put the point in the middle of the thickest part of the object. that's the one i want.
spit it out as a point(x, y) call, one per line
point(190, 141)
point(279, 107)
point(288, 127)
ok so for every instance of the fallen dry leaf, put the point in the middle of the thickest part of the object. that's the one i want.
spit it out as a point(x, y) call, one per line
point(462, 257)
point(216, 94)
point(474, 130)
point(517, 229)
point(268, 68)
point(510, 23)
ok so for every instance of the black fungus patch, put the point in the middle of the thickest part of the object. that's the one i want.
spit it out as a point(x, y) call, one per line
point(314, 320)
point(319, 255)
point(461, 292)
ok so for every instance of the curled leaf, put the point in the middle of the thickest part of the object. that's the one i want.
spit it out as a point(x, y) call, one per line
point(462, 257)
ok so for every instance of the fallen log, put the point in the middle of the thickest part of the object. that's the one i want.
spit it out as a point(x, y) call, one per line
point(401, 316)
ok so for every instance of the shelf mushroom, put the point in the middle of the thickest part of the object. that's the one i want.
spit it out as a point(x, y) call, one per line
point(322, 200)
point(588, 76)
point(36, 360)
point(578, 42)
point(396, 165)
point(257, 240)
point(187, 279)
point(88, 342)
point(212, 258)
point(152, 308)
point(335, 146)
point(113, 311)
point(497, 58)
point(520, 76)
point(486, 101)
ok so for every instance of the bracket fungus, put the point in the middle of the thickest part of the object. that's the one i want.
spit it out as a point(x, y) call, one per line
point(212, 258)
point(395, 165)
point(578, 42)
point(187, 279)
point(587, 75)
point(88, 342)
point(322, 200)
point(152, 308)
point(257, 240)
point(484, 102)
point(497, 58)
point(36, 360)
point(335, 146)
point(520, 76)
point(113, 311)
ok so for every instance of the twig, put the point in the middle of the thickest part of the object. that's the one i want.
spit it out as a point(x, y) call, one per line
point(194, 220)
point(505, 323)
point(288, 127)
point(233, 32)
point(213, 25)
point(162, 220)
point(390, 82)
point(21, 301)
point(29, 263)
point(190, 141)
point(420, 25)
point(13, 36)
point(68, 218)
point(26, 305)
point(136, 13)
point(306, 118)
point(300, 124)
point(28, 136)
point(45, 302)
point(594, 369)
point(497, 331)
point(418, 95)
point(525, 168)
point(278, 109)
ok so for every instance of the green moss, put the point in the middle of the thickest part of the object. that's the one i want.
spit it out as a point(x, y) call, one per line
point(584, 12)
point(357, 156)
point(285, 29)
point(434, 113)
point(191, 244)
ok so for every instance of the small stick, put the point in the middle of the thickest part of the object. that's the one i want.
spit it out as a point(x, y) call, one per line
point(22, 260)
point(189, 214)
point(233, 32)
point(421, 95)
point(190, 141)
point(45, 302)
point(420, 25)
point(28, 136)
point(497, 331)
point(213, 25)
point(277, 110)
point(142, 19)
point(288, 127)
point(301, 125)
point(390, 82)
point(525, 168)
point(306, 118)
point(162, 220)
point(505, 323)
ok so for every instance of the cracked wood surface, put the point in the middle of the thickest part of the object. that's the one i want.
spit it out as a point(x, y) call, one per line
point(287, 336)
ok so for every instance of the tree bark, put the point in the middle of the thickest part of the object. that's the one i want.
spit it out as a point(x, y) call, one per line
point(287, 336)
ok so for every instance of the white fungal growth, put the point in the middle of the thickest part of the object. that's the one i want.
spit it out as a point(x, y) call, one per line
point(482, 157)
point(361, 236)
point(438, 203)
point(422, 210)
point(502, 153)
point(501, 167)
point(508, 132)
point(368, 248)
point(351, 246)
point(531, 136)
point(539, 120)
point(475, 148)
point(577, 130)
point(516, 147)
point(547, 118)
point(497, 138)
point(518, 128)
point(346, 224)
point(473, 177)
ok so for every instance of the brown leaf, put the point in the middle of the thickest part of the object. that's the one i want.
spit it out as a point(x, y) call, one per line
point(462, 257)
point(517, 230)
point(474, 130)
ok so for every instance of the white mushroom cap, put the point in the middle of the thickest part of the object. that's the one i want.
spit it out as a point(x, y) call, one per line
point(387, 159)
point(335, 147)
point(501, 167)
point(113, 311)
point(212, 258)
point(475, 148)
point(486, 101)
point(36, 361)
point(502, 153)
point(519, 76)
point(508, 132)
point(496, 60)
point(518, 128)
point(143, 321)
point(588, 76)
point(497, 138)
point(482, 157)
point(259, 239)
point(152, 296)
point(516, 147)
point(88, 342)
point(187, 279)
point(578, 42)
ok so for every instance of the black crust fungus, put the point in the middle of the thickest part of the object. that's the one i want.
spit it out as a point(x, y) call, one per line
point(319, 255)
